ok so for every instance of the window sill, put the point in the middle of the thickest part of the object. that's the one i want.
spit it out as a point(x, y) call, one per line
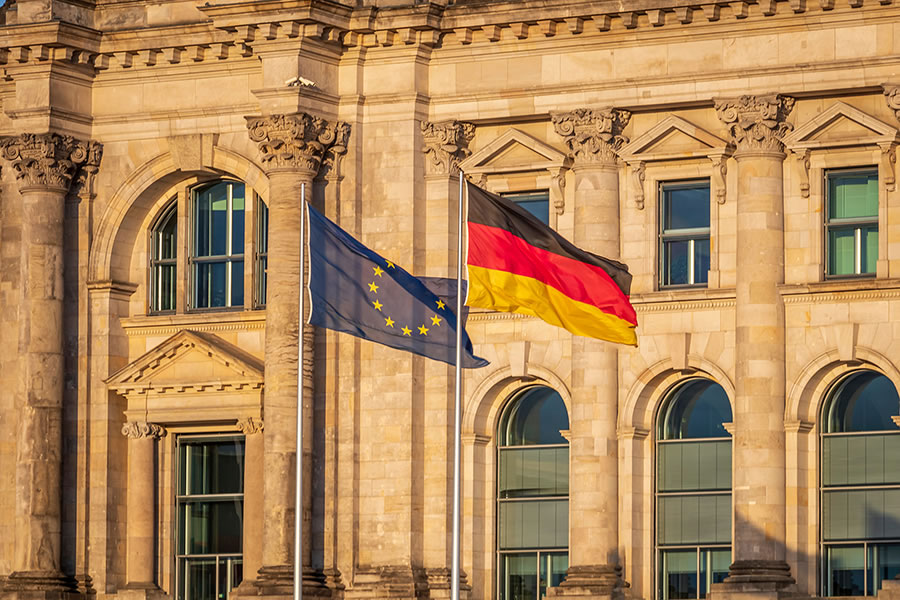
point(832, 286)
point(686, 294)
point(228, 320)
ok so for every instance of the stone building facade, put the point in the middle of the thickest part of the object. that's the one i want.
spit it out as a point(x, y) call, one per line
point(740, 156)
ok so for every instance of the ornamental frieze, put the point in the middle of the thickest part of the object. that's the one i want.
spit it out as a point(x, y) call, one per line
point(593, 136)
point(136, 430)
point(49, 160)
point(298, 141)
point(756, 123)
point(446, 145)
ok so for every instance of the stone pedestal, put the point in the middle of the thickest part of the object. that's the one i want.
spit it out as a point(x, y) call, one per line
point(594, 136)
point(756, 125)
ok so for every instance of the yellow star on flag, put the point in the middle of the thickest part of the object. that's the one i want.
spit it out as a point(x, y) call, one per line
point(423, 330)
point(436, 320)
point(377, 305)
point(390, 265)
point(440, 304)
point(373, 287)
point(378, 271)
point(388, 322)
point(406, 331)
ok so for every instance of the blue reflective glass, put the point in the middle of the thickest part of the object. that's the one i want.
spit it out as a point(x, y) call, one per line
point(686, 206)
point(237, 283)
point(696, 409)
point(676, 263)
point(701, 261)
point(237, 218)
point(535, 416)
point(863, 401)
point(537, 203)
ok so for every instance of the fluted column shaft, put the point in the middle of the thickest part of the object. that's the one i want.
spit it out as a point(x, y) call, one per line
point(140, 566)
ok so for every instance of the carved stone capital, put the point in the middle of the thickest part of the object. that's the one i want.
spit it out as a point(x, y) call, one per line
point(593, 136)
point(83, 184)
point(892, 95)
point(446, 145)
point(298, 141)
point(49, 160)
point(142, 429)
point(756, 123)
point(334, 154)
point(250, 425)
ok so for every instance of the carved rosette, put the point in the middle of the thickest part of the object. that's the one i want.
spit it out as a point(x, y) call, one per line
point(250, 425)
point(593, 136)
point(446, 145)
point(49, 160)
point(757, 123)
point(136, 430)
point(892, 95)
point(297, 141)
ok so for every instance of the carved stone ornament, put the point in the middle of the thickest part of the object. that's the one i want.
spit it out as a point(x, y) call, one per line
point(334, 154)
point(446, 145)
point(886, 166)
point(719, 171)
point(639, 175)
point(593, 136)
point(297, 141)
point(803, 165)
point(756, 123)
point(892, 95)
point(49, 160)
point(558, 177)
point(250, 425)
point(141, 429)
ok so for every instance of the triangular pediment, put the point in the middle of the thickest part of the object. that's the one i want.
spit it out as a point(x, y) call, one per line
point(190, 359)
point(514, 150)
point(840, 125)
point(674, 138)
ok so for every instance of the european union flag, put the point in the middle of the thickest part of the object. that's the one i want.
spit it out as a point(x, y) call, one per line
point(356, 291)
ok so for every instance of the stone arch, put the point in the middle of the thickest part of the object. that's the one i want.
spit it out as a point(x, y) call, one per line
point(483, 405)
point(137, 196)
point(808, 391)
point(644, 396)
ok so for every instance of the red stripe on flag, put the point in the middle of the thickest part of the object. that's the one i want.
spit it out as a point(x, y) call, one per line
point(495, 248)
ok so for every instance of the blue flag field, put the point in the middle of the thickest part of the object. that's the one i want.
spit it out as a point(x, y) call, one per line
point(356, 291)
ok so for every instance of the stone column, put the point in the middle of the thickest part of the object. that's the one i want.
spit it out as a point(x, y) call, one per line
point(45, 165)
point(140, 565)
point(756, 125)
point(252, 429)
point(291, 149)
point(594, 137)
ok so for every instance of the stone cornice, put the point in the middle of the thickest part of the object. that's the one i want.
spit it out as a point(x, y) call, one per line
point(756, 123)
point(841, 291)
point(49, 160)
point(593, 136)
point(141, 429)
point(297, 141)
point(446, 145)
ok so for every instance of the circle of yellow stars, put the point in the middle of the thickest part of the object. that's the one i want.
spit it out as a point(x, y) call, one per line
point(388, 321)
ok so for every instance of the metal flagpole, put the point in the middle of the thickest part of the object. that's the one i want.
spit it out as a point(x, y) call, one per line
point(457, 433)
point(298, 491)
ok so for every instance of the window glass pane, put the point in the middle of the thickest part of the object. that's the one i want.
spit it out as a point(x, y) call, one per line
point(553, 570)
point(869, 249)
point(841, 251)
point(518, 578)
point(853, 195)
point(686, 206)
point(701, 260)
point(237, 283)
point(845, 570)
point(262, 245)
point(199, 581)
point(536, 416)
point(534, 472)
point(237, 218)
point(534, 524)
point(166, 242)
point(885, 561)
point(695, 466)
point(678, 577)
point(536, 203)
point(862, 402)
point(201, 225)
point(675, 263)
point(212, 467)
point(213, 527)
point(210, 283)
point(696, 409)
point(218, 202)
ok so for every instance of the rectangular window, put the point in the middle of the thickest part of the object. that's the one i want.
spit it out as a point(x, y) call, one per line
point(537, 203)
point(210, 513)
point(163, 254)
point(218, 253)
point(262, 250)
point(851, 222)
point(684, 234)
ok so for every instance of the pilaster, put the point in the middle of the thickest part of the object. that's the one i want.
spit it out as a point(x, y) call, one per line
point(291, 148)
point(757, 125)
point(594, 138)
point(45, 165)
point(252, 428)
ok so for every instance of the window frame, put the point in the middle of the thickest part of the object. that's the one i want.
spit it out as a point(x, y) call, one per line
point(169, 211)
point(856, 224)
point(691, 235)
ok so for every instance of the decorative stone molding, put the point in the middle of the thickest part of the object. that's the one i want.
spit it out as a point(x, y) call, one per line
point(296, 141)
point(798, 426)
point(446, 145)
point(250, 425)
point(593, 135)
point(49, 160)
point(639, 175)
point(559, 187)
point(83, 185)
point(886, 163)
point(136, 430)
point(803, 163)
point(334, 155)
point(756, 123)
point(892, 95)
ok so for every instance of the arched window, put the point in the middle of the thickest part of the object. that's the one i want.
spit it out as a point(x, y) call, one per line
point(860, 479)
point(217, 260)
point(163, 254)
point(693, 494)
point(532, 494)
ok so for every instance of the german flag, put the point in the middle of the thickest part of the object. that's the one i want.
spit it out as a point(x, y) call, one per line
point(518, 264)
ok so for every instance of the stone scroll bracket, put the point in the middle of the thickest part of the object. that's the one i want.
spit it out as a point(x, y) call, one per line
point(886, 169)
point(892, 96)
point(446, 145)
point(558, 178)
point(756, 123)
point(638, 177)
point(803, 165)
point(719, 172)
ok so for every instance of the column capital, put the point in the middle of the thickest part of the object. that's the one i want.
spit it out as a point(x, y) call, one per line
point(593, 136)
point(250, 425)
point(756, 123)
point(49, 160)
point(297, 142)
point(446, 145)
point(136, 430)
point(892, 95)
